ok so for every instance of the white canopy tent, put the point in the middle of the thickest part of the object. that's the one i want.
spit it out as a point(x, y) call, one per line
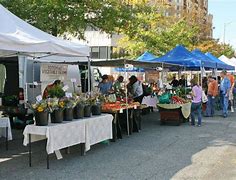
point(228, 61)
point(19, 37)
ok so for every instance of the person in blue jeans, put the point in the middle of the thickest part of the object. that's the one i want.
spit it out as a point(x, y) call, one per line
point(196, 103)
point(224, 92)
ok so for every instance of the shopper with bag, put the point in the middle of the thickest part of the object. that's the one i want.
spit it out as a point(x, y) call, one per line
point(224, 93)
point(196, 106)
point(212, 92)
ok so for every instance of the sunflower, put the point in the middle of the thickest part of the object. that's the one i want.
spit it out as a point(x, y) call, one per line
point(40, 109)
point(61, 104)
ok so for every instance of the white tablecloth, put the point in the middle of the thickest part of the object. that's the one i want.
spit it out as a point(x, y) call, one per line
point(150, 101)
point(98, 129)
point(88, 130)
point(5, 122)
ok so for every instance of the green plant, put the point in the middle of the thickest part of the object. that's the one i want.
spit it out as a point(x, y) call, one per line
point(38, 107)
point(56, 91)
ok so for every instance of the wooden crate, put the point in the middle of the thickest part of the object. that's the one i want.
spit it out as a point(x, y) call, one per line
point(171, 116)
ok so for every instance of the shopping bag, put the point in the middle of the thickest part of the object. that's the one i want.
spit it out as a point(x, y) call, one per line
point(204, 97)
point(164, 98)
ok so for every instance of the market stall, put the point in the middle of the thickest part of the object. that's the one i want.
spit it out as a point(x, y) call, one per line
point(133, 116)
point(22, 45)
point(88, 131)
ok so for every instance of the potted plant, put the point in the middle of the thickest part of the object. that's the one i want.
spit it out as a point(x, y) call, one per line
point(96, 102)
point(56, 92)
point(79, 108)
point(87, 106)
point(70, 103)
point(41, 111)
point(57, 110)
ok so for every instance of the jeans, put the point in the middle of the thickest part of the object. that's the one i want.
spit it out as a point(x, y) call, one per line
point(210, 110)
point(196, 107)
point(224, 104)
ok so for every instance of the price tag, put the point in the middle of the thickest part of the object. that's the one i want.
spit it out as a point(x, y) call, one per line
point(135, 106)
point(73, 80)
point(121, 110)
point(35, 83)
point(69, 95)
point(65, 88)
point(39, 98)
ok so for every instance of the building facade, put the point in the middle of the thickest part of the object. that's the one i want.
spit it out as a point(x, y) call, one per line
point(103, 46)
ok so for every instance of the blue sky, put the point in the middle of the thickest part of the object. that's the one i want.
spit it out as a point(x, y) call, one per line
point(224, 11)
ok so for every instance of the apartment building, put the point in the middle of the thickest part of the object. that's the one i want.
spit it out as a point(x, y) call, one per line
point(103, 46)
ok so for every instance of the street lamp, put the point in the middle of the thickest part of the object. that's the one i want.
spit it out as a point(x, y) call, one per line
point(225, 25)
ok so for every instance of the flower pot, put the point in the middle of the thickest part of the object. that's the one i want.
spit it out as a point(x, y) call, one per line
point(57, 116)
point(96, 109)
point(87, 111)
point(79, 111)
point(41, 118)
point(68, 114)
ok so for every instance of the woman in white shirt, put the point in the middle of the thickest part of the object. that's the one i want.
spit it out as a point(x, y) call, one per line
point(136, 89)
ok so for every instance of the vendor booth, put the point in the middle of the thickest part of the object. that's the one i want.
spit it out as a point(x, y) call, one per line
point(26, 47)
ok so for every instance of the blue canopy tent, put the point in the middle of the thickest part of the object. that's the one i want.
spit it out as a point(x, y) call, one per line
point(181, 56)
point(146, 56)
point(134, 69)
point(201, 56)
point(219, 62)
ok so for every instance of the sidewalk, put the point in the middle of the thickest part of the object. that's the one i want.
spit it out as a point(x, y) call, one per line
point(156, 153)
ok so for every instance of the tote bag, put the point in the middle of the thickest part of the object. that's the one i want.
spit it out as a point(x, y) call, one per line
point(204, 97)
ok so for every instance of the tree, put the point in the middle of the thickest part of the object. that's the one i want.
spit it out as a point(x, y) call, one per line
point(216, 48)
point(151, 31)
point(58, 17)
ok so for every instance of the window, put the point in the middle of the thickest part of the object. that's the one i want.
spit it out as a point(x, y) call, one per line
point(100, 52)
point(95, 52)
point(103, 53)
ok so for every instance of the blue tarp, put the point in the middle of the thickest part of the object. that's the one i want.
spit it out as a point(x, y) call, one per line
point(201, 56)
point(181, 56)
point(220, 64)
point(134, 69)
point(146, 57)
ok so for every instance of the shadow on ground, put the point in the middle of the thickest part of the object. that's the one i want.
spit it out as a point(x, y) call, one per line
point(157, 152)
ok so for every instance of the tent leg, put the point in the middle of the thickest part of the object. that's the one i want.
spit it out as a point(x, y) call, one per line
point(127, 111)
point(89, 73)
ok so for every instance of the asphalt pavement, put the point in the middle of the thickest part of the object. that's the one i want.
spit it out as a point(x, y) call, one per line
point(156, 153)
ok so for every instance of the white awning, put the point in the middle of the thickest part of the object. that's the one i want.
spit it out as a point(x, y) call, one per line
point(19, 37)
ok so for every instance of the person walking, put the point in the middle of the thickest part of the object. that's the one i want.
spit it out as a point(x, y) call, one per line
point(224, 93)
point(196, 103)
point(105, 86)
point(136, 89)
point(231, 95)
point(212, 92)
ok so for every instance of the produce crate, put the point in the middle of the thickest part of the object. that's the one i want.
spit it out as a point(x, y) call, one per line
point(171, 116)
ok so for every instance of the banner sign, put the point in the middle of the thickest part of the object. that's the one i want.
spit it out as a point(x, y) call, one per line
point(50, 72)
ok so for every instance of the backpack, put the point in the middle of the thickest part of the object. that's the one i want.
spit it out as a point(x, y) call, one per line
point(147, 91)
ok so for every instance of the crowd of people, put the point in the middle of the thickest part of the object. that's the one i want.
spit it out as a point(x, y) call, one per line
point(182, 82)
point(224, 90)
point(134, 87)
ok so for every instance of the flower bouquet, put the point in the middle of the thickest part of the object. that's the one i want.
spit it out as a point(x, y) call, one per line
point(56, 107)
point(41, 110)
point(79, 108)
point(69, 103)
point(96, 103)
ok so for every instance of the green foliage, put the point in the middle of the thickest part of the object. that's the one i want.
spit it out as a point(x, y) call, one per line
point(60, 17)
point(56, 91)
point(151, 31)
point(216, 48)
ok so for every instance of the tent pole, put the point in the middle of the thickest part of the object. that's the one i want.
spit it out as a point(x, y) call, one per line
point(126, 101)
point(185, 81)
point(162, 75)
point(33, 79)
point(89, 77)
